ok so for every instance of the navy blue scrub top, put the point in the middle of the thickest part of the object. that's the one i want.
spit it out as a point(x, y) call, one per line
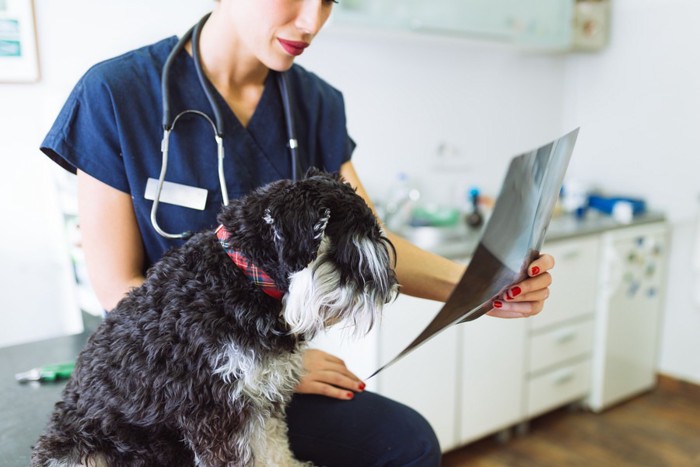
point(110, 128)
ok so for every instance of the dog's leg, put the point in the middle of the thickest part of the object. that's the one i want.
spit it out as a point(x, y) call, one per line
point(271, 446)
point(219, 438)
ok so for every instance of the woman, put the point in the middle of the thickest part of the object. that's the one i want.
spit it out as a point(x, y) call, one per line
point(109, 134)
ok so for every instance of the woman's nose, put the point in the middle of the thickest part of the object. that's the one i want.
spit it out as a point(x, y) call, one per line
point(312, 16)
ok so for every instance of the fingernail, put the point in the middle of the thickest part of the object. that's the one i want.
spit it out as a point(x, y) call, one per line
point(350, 395)
point(515, 291)
point(535, 270)
point(497, 304)
point(362, 386)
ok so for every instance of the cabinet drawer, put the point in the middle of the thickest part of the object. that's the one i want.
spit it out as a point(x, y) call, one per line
point(560, 344)
point(574, 286)
point(557, 387)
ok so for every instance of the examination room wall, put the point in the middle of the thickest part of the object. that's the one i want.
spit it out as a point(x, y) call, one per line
point(406, 97)
point(638, 103)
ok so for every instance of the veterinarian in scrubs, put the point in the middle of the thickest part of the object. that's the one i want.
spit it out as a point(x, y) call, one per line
point(109, 133)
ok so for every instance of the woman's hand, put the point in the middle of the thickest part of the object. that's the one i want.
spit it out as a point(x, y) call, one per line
point(328, 376)
point(527, 297)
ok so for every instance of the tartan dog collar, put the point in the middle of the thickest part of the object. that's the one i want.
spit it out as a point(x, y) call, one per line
point(254, 273)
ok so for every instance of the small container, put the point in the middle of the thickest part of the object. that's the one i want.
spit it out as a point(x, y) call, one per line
point(475, 218)
point(606, 204)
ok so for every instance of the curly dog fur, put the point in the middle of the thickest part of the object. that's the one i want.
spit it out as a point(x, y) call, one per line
point(196, 366)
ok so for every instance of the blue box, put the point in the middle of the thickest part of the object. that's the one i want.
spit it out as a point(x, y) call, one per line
point(607, 203)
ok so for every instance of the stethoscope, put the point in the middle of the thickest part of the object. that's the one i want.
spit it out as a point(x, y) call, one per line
point(217, 125)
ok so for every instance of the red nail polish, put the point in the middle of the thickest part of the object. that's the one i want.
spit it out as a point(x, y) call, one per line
point(350, 395)
point(515, 291)
point(362, 386)
point(535, 270)
point(497, 304)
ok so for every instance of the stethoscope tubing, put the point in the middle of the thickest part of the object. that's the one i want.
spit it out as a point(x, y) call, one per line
point(217, 124)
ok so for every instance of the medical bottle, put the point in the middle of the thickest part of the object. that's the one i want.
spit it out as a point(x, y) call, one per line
point(475, 218)
point(399, 202)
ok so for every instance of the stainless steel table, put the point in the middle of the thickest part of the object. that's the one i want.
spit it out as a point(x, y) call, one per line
point(25, 408)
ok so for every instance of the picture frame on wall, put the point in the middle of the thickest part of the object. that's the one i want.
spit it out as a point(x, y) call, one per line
point(18, 45)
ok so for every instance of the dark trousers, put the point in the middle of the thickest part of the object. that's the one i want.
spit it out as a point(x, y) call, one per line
point(367, 431)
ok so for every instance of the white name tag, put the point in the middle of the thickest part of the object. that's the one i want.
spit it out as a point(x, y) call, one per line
point(177, 194)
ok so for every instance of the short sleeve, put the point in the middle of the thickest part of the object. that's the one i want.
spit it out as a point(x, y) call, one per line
point(336, 144)
point(320, 110)
point(85, 134)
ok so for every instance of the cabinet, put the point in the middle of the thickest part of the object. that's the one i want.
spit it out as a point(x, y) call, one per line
point(491, 368)
point(426, 379)
point(560, 340)
point(536, 23)
point(595, 341)
point(631, 283)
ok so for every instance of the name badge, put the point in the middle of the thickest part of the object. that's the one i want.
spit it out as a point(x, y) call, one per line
point(177, 194)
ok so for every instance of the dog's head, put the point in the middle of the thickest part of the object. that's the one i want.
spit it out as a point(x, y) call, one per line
point(323, 246)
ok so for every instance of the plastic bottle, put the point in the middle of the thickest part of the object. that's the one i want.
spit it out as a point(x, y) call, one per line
point(399, 202)
point(475, 218)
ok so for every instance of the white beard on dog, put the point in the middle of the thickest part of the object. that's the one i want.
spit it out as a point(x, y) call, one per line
point(317, 299)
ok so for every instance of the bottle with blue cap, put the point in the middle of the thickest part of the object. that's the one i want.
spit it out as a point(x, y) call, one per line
point(475, 218)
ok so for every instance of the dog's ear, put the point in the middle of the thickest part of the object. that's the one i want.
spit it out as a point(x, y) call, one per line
point(297, 235)
point(313, 172)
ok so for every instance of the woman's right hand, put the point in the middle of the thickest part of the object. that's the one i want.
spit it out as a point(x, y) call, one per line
point(328, 376)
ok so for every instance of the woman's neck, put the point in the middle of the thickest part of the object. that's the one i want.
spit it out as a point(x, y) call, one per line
point(236, 74)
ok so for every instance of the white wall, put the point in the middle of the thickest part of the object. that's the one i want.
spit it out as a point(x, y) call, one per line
point(638, 104)
point(37, 299)
point(404, 95)
point(407, 94)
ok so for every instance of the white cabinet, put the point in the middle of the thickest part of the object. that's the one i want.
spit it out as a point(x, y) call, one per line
point(633, 273)
point(575, 281)
point(560, 339)
point(426, 379)
point(595, 339)
point(564, 342)
point(491, 369)
point(557, 387)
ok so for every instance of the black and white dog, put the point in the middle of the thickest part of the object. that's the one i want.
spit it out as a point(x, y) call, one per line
point(196, 366)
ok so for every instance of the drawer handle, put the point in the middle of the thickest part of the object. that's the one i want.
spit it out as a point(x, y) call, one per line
point(571, 254)
point(564, 378)
point(565, 336)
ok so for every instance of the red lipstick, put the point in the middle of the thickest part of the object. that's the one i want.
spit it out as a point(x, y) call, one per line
point(293, 47)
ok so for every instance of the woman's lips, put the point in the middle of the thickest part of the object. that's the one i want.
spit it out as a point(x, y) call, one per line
point(293, 47)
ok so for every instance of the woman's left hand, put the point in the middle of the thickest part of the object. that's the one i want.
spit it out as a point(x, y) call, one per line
point(526, 298)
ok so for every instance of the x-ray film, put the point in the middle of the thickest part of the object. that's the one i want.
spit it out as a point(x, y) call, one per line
point(511, 240)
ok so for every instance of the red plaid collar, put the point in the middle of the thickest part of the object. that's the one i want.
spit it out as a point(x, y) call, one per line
point(253, 272)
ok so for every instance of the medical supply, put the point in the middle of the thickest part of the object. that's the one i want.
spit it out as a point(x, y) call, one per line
point(573, 197)
point(47, 373)
point(474, 218)
point(217, 125)
point(400, 200)
point(434, 216)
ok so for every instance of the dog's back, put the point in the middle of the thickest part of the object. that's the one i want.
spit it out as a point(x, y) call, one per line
point(153, 361)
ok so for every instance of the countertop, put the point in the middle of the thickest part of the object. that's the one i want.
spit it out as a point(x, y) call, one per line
point(461, 245)
point(25, 408)
point(565, 227)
